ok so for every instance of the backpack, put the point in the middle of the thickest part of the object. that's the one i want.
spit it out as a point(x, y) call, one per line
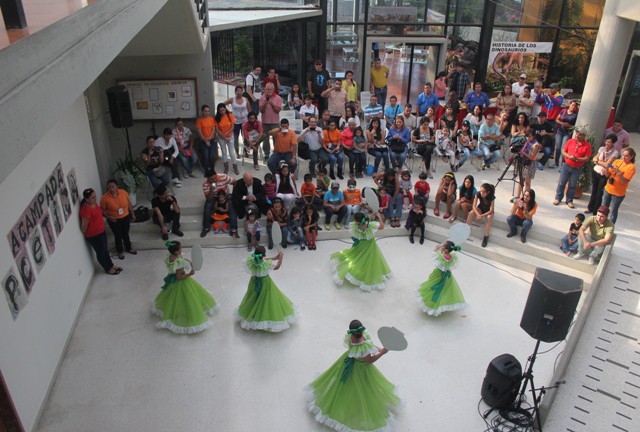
point(141, 213)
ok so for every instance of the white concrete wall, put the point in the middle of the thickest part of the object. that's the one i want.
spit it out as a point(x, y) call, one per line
point(34, 343)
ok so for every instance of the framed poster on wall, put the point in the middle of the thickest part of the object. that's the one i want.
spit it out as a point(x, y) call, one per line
point(162, 99)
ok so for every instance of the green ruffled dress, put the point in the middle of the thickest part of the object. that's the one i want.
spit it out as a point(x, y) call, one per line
point(183, 306)
point(352, 395)
point(441, 293)
point(264, 306)
point(362, 264)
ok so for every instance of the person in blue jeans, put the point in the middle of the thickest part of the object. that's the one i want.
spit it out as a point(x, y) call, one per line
point(334, 204)
point(398, 138)
point(522, 214)
point(389, 181)
point(570, 241)
point(376, 138)
point(488, 137)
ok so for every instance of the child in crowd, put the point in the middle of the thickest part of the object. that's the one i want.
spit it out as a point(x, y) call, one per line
point(269, 187)
point(467, 191)
point(383, 200)
point(447, 193)
point(359, 151)
point(277, 214)
point(296, 233)
point(416, 216)
point(570, 241)
point(441, 293)
point(221, 213)
point(422, 188)
point(252, 229)
point(446, 147)
point(323, 182)
point(352, 199)
point(310, 218)
point(405, 189)
point(483, 207)
point(309, 194)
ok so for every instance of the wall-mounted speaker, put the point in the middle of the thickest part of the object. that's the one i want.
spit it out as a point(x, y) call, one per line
point(119, 107)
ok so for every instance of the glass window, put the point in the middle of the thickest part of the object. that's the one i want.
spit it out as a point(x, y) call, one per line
point(572, 59)
point(583, 13)
point(466, 11)
point(345, 10)
point(264, 4)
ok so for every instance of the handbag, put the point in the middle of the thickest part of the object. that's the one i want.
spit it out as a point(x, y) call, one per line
point(158, 171)
point(141, 213)
point(397, 146)
point(303, 150)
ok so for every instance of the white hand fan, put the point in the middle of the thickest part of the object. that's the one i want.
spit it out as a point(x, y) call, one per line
point(459, 233)
point(392, 339)
point(276, 236)
point(371, 198)
point(196, 257)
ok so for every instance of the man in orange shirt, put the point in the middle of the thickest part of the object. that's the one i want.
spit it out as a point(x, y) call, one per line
point(576, 152)
point(285, 147)
point(118, 210)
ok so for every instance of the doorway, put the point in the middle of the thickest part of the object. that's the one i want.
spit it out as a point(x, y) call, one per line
point(411, 61)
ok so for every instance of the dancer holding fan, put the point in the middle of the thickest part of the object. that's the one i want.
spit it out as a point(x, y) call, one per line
point(352, 395)
point(441, 293)
point(363, 264)
point(183, 304)
point(264, 306)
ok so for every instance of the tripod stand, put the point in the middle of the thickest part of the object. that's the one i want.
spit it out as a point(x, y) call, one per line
point(518, 174)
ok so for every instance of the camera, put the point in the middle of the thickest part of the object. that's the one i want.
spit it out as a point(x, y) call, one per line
point(611, 180)
point(516, 147)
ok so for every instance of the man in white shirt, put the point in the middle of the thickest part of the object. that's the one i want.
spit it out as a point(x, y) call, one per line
point(410, 120)
point(253, 88)
point(537, 90)
point(170, 150)
point(312, 136)
point(517, 88)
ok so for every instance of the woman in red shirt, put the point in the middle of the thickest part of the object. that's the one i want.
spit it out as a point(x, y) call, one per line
point(92, 226)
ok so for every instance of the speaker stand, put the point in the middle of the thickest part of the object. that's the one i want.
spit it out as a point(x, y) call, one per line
point(129, 154)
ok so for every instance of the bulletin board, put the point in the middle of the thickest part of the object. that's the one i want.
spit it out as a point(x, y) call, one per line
point(162, 99)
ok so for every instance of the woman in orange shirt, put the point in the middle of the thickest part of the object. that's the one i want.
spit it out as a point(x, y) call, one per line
point(621, 172)
point(206, 127)
point(332, 144)
point(224, 130)
point(117, 208)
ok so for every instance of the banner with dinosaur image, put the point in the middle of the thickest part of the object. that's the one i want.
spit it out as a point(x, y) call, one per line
point(509, 59)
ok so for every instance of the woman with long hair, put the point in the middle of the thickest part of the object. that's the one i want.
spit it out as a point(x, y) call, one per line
point(376, 142)
point(601, 161)
point(92, 227)
point(522, 214)
point(225, 125)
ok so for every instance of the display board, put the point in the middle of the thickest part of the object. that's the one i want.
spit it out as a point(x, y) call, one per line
point(162, 99)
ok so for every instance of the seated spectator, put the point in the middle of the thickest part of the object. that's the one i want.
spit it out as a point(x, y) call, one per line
point(349, 114)
point(467, 192)
point(522, 214)
point(489, 138)
point(296, 233)
point(600, 233)
point(247, 192)
point(221, 214)
point(214, 183)
point(309, 194)
point(423, 139)
point(475, 119)
point(352, 199)
point(334, 205)
point(277, 215)
point(449, 119)
point(332, 143)
point(466, 143)
point(483, 207)
point(389, 180)
point(184, 139)
point(391, 111)
point(166, 209)
point(153, 157)
point(269, 185)
point(286, 188)
point(446, 192)
point(447, 148)
point(312, 137)
point(410, 120)
point(285, 147)
point(307, 111)
point(376, 144)
point(170, 152)
point(544, 130)
point(252, 135)
point(398, 140)
point(570, 241)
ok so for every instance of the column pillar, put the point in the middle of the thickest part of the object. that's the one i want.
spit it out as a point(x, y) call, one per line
point(612, 44)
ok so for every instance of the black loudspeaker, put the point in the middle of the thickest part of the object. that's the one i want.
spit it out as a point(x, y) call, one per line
point(119, 107)
point(502, 381)
point(552, 301)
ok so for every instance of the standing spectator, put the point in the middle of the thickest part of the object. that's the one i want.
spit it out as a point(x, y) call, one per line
point(389, 181)
point(285, 147)
point(393, 110)
point(240, 107)
point(600, 235)
point(488, 137)
point(576, 153)
point(544, 130)
point(459, 81)
point(206, 127)
point(272, 77)
point(334, 205)
point(453, 102)
point(351, 87)
point(477, 98)
point(253, 88)
point(212, 185)
point(170, 152)
point(337, 100)
point(410, 120)
point(270, 107)
point(153, 157)
point(118, 210)
point(526, 102)
point(252, 135)
point(601, 162)
point(225, 125)
point(184, 139)
point(621, 172)
point(166, 209)
point(312, 135)
point(528, 158)
point(551, 101)
point(440, 85)
point(347, 136)
point(317, 83)
point(522, 214)
point(379, 80)
point(623, 136)
point(517, 88)
point(566, 121)
point(92, 227)
point(537, 90)
point(506, 102)
point(373, 111)
point(427, 99)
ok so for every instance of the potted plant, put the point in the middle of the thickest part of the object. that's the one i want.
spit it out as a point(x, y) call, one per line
point(131, 176)
point(584, 181)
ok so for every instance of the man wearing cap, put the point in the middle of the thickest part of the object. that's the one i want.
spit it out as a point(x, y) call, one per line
point(477, 97)
point(517, 88)
point(576, 152)
point(600, 235)
point(459, 81)
point(427, 99)
point(545, 133)
point(285, 147)
point(213, 183)
point(379, 80)
point(334, 204)
point(551, 101)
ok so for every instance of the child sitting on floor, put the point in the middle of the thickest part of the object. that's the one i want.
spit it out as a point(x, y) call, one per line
point(570, 241)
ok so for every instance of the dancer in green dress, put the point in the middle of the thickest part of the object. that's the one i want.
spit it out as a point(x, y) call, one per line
point(441, 293)
point(264, 306)
point(363, 264)
point(183, 304)
point(352, 395)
